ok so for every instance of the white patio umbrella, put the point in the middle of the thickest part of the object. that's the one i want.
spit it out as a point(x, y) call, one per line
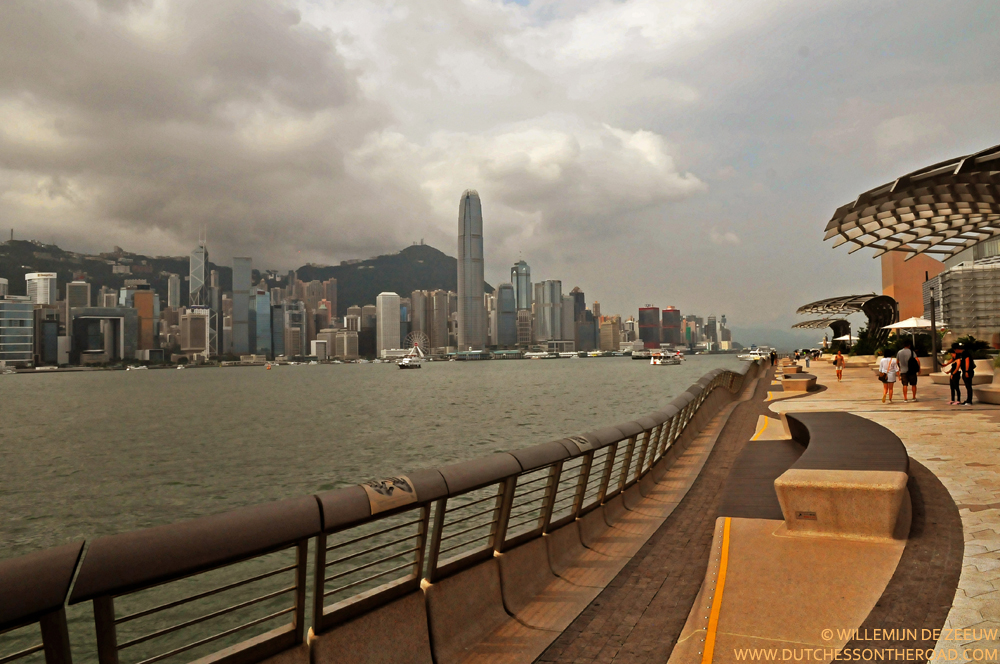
point(846, 337)
point(912, 324)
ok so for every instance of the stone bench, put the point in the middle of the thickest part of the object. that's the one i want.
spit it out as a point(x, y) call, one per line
point(799, 382)
point(850, 481)
point(791, 369)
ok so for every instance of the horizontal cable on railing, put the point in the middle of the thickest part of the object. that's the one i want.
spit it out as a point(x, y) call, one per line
point(475, 502)
point(371, 535)
point(374, 548)
point(216, 637)
point(357, 569)
point(207, 593)
point(23, 653)
point(366, 579)
point(195, 621)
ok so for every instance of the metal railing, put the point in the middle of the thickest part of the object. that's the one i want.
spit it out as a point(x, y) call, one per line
point(234, 587)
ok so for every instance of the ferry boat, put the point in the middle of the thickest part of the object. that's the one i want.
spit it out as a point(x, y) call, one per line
point(664, 359)
point(412, 359)
point(754, 355)
point(541, 355)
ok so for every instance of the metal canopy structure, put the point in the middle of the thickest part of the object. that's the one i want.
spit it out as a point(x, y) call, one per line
point(941, 209)
point(817, 324)
point(881, 310)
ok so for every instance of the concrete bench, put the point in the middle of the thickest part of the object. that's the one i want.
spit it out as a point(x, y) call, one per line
point(850, 481)
point(791, 369)
point(799, 382)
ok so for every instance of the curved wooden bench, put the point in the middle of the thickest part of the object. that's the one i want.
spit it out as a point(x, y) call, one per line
point(849, 482)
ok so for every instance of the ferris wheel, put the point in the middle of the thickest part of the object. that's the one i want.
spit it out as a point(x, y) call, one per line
point(418, 341)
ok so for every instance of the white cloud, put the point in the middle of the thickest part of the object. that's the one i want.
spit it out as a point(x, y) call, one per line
point(723, 237)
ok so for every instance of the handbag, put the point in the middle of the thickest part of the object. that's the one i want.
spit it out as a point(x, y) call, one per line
point(882, 377)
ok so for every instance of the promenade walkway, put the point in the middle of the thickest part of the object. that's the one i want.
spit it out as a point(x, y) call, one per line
point(640, 615)
point(955, 493)
point(959, 445)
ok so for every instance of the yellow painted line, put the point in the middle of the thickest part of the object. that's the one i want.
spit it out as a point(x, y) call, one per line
point(770, 396)
point(720, 585)
point(762, 429)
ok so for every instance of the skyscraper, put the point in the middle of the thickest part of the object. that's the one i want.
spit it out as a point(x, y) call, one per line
point(550, 315)
point(198, 283)
point(567, 326)
point(262, 311)
point(579, 303)
point(471, 316)
point(671, 330)
point(42, 287)
point(520, 277)
point(78, 294)
point(506, 316)
point(418, 311)
point(242, 275)
point(649, 326)
point(330, 286)
point(3, 287)
point(174, 291)
point(387, 323)
point(437, 315)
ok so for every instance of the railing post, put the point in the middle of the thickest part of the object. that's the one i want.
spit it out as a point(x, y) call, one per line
point(501, 515)
point(609, 464)
point(55, 638)
point(642, 454)
point(440, 505)
point(425, 519)
point(581, 481)
point(104, 622)
point(551, 488)
point(319, 584)
point(301, 580)
point(626, 462)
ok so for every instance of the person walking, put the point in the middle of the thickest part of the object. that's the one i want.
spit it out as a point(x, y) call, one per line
point(954, 371)
point(909, 368)
point(838, 363)
point(968, 373)
point(888, 370)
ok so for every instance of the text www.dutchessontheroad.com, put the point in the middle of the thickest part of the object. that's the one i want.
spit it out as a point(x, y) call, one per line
point(889, 654)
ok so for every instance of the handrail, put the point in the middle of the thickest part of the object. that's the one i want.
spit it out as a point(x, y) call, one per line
point(389, 534)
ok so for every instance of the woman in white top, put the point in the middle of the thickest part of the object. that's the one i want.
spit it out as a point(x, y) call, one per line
point(890, 367)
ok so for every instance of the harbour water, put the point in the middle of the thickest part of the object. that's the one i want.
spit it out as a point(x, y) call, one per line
point(95, 453)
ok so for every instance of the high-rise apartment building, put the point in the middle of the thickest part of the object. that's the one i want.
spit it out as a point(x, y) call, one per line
point(550, 315)
point(314, 292)
point(346, 345)
point(330, 295)
point(17, 331)
point(506, 315)
point(418, 311)
point(369, 314)
point(296, 340)
point(471, 315)
point(198, 283)
point(520, 278)
point(242, 277)
point(78, 294)
point(387, 325)
point(671, 328)
point(42, 287)
point(174, 291)
point(567, 326)
point(437, 323)
point(261, 304)
point(610, 333)
point(597, 310)
point(524, 332)
point(579, 303)
point(4, 287)
point(649, 326)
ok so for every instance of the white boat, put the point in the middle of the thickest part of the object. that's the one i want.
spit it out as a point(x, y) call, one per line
point(412, 359)
point(753, 356)
point(664, 359)
point(181, 366)
point(135, 368)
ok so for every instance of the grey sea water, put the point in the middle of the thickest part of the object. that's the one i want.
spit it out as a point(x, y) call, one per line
point(97, 453)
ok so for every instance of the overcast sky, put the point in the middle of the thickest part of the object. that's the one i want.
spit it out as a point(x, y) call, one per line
point(684, 153)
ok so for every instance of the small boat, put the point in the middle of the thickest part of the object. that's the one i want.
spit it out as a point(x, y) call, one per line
point(181, 366)
point(135, 368)
point(412, 359)
point(753, 355)
point(664, 359)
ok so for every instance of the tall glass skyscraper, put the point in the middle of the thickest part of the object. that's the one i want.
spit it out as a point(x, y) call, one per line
point(506, 316)
point(198, 283)
point(471, 313)
point(387, 322)
point(242, 275)
point(520, 277)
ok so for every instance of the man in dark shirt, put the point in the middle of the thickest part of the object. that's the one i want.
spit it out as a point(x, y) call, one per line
point(909, 368)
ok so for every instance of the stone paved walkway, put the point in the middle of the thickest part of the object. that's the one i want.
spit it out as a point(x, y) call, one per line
point(960, 446)
point(639, 616)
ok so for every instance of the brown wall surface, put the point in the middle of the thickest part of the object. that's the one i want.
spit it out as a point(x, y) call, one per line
point(902, 280)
